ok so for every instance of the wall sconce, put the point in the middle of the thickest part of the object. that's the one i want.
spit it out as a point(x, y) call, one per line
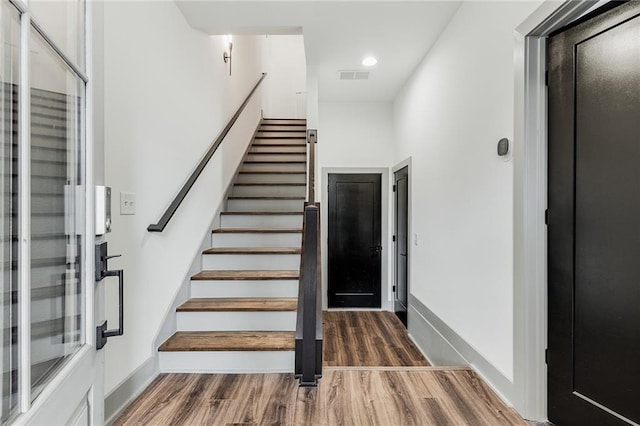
point(227, 55)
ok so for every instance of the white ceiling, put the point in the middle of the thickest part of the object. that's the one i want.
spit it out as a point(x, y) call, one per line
point(338, 35)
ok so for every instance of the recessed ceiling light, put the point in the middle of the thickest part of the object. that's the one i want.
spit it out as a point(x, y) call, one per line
point(369, 61)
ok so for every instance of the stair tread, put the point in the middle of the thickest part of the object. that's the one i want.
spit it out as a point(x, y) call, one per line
point(269, 197)
point(275, 161)
point(257, 231)
point(252, 250)
point(231, 275)
point(280, 145)
point(229, 341)
point(269, 184)
point(259, 213)
point(242, 304)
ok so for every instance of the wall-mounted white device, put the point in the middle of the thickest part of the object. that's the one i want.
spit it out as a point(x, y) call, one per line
point(103, 210)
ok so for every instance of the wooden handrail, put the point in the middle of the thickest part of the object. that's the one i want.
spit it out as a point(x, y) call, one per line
point(173, 207)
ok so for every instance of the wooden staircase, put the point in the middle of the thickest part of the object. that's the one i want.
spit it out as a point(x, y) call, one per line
point(241, 316)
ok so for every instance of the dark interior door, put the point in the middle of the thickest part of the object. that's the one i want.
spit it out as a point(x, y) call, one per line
point(594, 220)
point(355, 253)
point(401, 182)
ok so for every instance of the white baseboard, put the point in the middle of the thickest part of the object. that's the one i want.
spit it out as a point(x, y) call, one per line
point(124, 394)
point(444, 347)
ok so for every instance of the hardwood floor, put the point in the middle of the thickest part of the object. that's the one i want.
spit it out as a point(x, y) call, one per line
point(409, 396)
point(368, 338)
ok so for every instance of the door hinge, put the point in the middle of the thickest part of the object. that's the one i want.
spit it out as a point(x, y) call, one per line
point(546, 216)
point(546, 78)
point(394, 188)
point(394, 238)
point(546, 356)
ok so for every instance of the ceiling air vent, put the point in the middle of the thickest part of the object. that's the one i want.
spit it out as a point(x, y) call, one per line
point(353, 75)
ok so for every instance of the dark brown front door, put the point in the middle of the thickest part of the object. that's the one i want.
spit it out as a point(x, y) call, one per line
point(355, 253)
point(594, 221)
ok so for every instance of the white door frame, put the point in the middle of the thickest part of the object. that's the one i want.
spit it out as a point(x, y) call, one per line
point(530, 203)
point(392, 227)
point(75, 394)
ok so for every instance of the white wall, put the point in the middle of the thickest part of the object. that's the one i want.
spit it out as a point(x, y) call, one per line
point(449, 117)
point(356, 138)
point(286, 84)
point(167, 96)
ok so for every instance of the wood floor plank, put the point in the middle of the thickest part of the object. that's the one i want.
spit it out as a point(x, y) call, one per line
point(243, 304)
point(344, 397)
point(367, 338)
point(229, 341)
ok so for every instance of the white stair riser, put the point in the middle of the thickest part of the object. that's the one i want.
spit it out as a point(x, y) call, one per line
point(282, 134)
point(227, 362)
point(245, 288)
point(276, 157)
point(261, 221)
point(256, 149)
point(275, 167)
point(236, 321)
point(250, 262)
point(269, 191)
point(281, 121)
point(281, 128)
point(265, 205)
point(256, 240)
point(272, 178)
point(277, 141)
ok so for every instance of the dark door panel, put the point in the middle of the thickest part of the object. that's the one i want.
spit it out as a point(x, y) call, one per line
point(354, 258)
point(594, 220)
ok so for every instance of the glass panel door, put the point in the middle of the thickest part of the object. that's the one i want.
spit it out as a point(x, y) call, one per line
point(9, 124)
point(46, 323)
point(57, 213)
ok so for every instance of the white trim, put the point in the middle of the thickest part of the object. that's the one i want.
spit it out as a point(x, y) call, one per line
point(24, 214)
point(392, 228)
point(443, 346)
point(385, 234)
point(530, 186)
point(129, 389)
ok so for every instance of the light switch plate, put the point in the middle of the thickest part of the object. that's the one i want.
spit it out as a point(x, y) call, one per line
point(127, 203)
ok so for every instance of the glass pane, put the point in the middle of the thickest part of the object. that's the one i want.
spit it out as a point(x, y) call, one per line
point(57, 105)
point(10, 80)
point(63, 21)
